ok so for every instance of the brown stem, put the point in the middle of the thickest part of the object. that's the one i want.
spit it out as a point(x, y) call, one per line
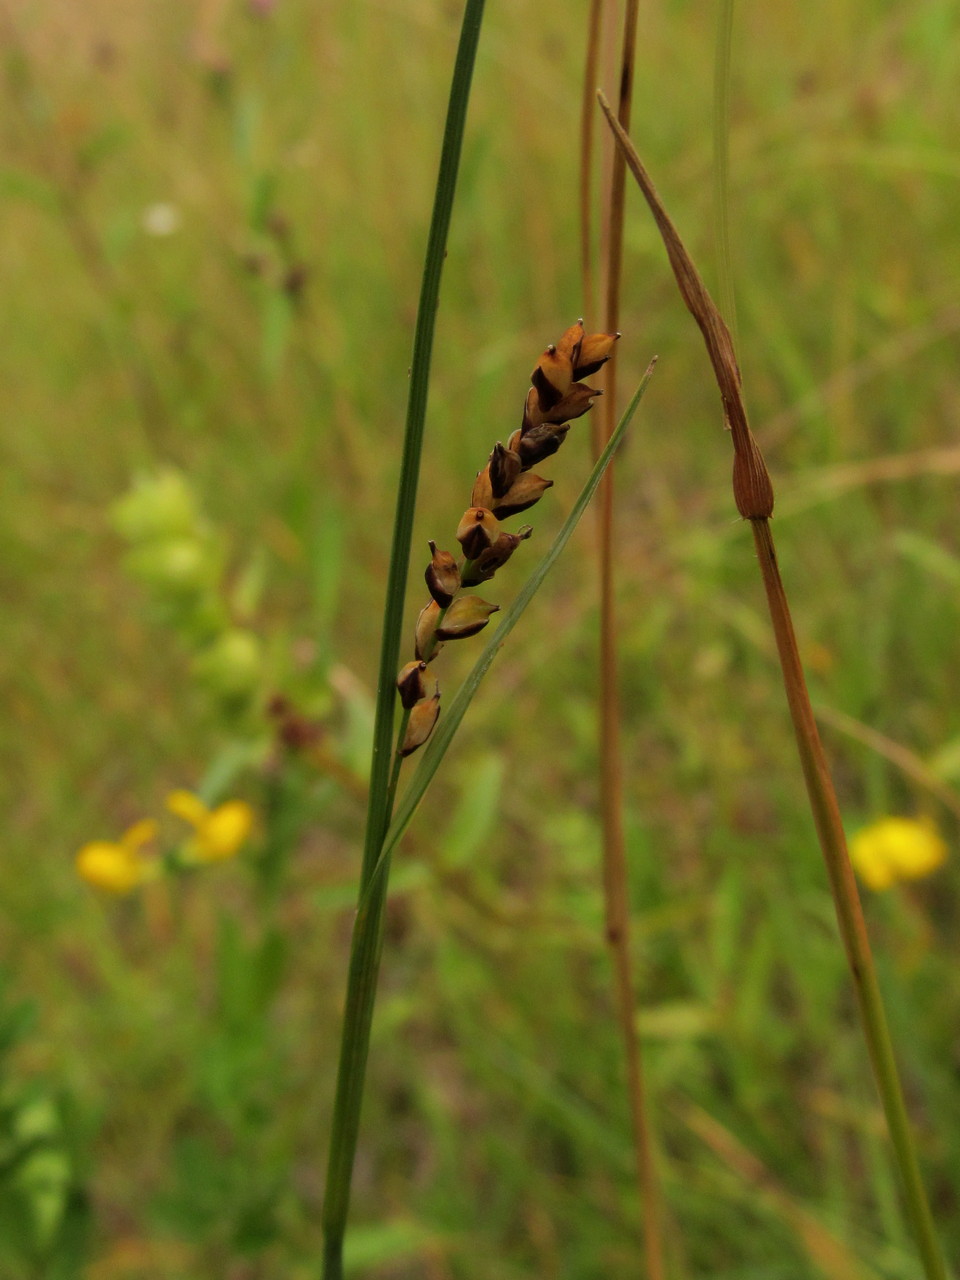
point(753, 493)
point(615, 877)
point(586, 153)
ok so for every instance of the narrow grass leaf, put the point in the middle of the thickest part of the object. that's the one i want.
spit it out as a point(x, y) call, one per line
point(367, 937)
point(378, 814)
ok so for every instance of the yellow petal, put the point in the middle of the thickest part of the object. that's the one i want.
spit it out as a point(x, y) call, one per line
point(224, 831)
point(188, 807)
point(895, 849)
point(141, 833)
point(109, 866)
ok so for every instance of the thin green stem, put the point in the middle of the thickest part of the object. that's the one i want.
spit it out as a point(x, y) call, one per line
point(397, 761)
point(377, 817)
point(367, 935)
point(846, 898)
point(332, 1260)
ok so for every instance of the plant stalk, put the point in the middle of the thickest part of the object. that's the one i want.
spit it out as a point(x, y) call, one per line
point(615, 874)
point(368, 927)
point(846, 899)
point(753, 493)
point(586, 153)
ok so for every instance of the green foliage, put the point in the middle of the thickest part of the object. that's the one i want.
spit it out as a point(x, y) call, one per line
point(188, 1103)
point(44, 1206)
point(227, 1185)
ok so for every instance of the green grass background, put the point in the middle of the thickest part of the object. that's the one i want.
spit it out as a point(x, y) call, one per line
point(179, 1050)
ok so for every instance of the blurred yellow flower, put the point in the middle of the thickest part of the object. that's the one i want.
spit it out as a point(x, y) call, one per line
point(118, 865)
point(893, 849)
point(219, 832)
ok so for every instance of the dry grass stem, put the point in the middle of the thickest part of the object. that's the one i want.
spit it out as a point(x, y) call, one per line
point(615, 875)
point(893, 353)
point(907, 761)
point(831, 1256)
point(586, 152)
point(752, 489)
point(753, 493)
point(832, 482)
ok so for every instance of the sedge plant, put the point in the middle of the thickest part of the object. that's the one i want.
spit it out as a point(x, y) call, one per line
point(365, 951)
point(753, 494)
point(505, 487)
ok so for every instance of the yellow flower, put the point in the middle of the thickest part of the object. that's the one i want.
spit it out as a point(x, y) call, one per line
point(895, 849)
point(219, 832)
point(118, 865)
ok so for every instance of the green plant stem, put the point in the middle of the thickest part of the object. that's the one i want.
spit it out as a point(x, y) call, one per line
point(397, 760)
point(367, 934)
point(377, 816)
point(853, 930)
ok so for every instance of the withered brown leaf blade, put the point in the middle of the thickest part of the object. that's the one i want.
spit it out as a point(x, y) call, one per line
point(752, 488)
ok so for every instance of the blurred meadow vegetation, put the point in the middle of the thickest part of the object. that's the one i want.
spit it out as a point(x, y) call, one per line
point(214, 218)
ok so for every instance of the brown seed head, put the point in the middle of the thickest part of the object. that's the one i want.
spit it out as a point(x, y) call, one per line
point(532, 413)
point(442, 576)
point(422, 720)
point(503, 467)
point(494, 557)
point(552, 376)
point(523, 493)
point(465, 617)
point(595, 350)
point(503, 488)
point(426, 634)
point(411, 684)
point(573, 405)
point(482, 495)
point(569, 343)
point(477, 530)
point(540, 443)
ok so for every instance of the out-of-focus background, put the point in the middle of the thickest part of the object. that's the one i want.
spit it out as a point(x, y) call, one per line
point(213, 219)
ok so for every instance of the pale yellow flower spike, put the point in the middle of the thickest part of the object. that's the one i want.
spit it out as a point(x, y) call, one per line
point(218, 833)
point(894, 849)
point(118, 866)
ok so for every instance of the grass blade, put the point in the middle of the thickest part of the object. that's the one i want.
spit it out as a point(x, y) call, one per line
point(365, 950)
point(378, 815)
